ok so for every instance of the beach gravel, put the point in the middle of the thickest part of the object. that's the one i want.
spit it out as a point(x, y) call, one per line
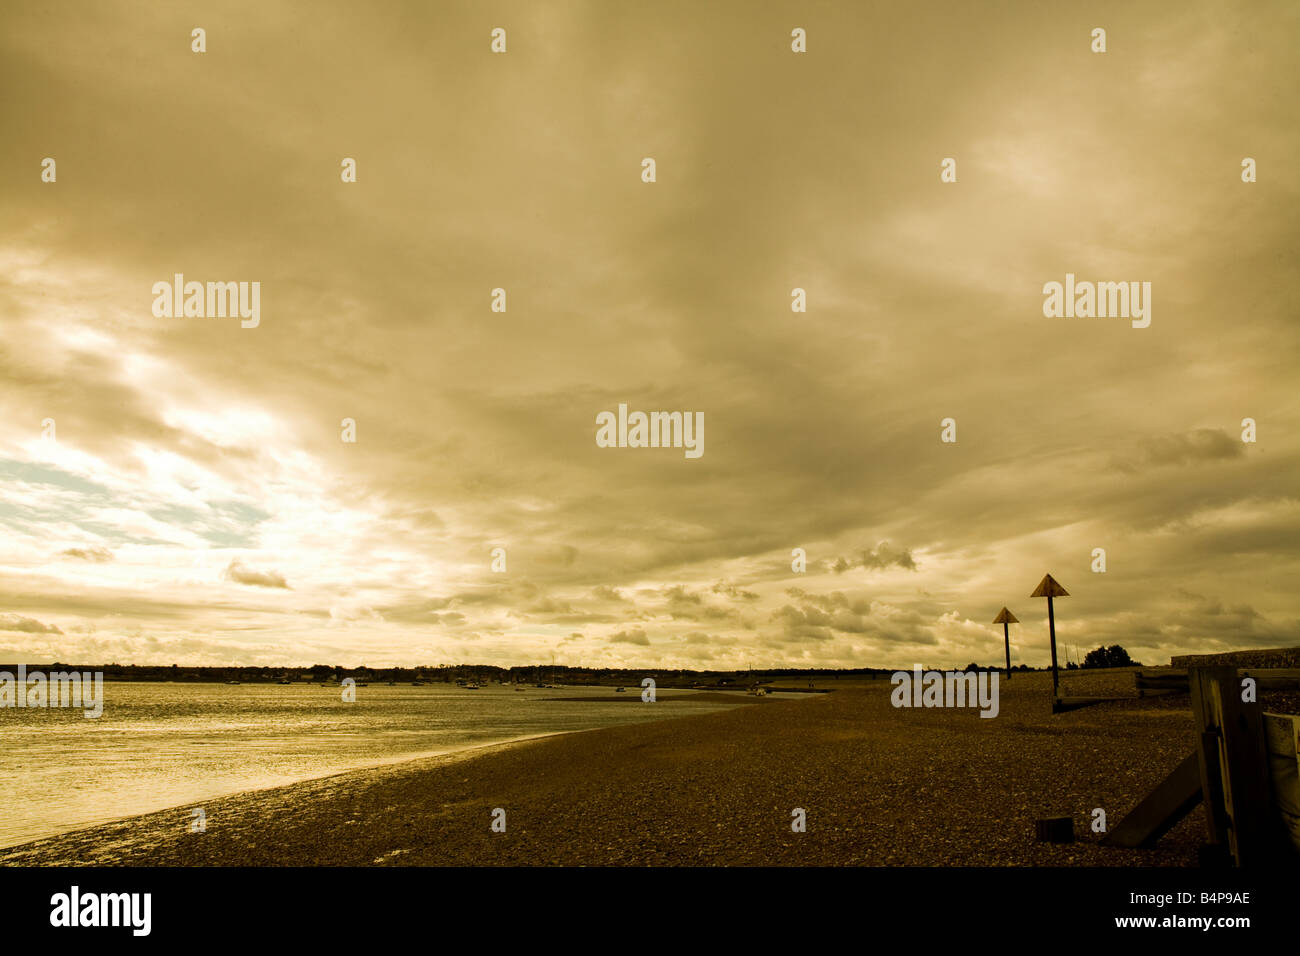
point(879, 786)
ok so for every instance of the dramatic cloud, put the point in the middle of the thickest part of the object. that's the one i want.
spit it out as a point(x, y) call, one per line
point(163, 480)
point(882, 556)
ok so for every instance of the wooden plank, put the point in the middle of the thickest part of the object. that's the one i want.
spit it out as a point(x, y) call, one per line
point(1164, 682)
point(1171, 800)
point(1216, 814)
point(1282, 740)
point(1273, 680)
point(1172, 680)
point(1266, 678)
point(1244, 765)
point(1281, 673)
point(1205, 715)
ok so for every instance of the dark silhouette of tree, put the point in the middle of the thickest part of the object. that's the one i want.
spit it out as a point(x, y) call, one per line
point(1113, 656)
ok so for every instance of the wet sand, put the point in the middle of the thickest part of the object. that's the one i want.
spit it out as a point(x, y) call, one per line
point(880, 786)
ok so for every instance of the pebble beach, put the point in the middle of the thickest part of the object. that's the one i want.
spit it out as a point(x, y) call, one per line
point(878, 785)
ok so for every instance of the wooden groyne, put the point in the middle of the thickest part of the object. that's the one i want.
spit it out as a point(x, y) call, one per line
point(1244, 766)
point(1271, 657)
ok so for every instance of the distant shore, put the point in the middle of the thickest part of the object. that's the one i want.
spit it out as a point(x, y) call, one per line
point(878, 785)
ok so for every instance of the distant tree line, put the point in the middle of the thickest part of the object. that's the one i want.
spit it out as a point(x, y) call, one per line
point(525, 674)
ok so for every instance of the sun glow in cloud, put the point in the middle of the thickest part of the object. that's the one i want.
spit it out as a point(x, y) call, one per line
point(193, 500)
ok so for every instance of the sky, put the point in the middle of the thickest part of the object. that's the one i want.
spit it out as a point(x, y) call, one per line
point(179, 490)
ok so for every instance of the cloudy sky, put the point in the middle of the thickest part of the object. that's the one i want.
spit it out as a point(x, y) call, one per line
point(197, 504)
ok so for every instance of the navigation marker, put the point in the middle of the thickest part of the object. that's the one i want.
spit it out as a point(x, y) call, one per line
point(1050, 588)
point(1004, 618)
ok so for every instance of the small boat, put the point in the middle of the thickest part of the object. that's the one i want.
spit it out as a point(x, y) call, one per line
point(471, 686)
point(620, 690)
point(284, 682)
point(417, 683)
point(519, 689)
point(232, 682)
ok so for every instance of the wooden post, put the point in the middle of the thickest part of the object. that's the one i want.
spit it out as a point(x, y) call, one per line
point(1283, 734)
point(1006, 642)
point(1246, 776)
point(1246, 813)
point(1051, 627)
point(1005, 618)
point(1054, 830)
point(1233, 750)
point(1201, 681)
point(1049, 588)
point(1171, 800)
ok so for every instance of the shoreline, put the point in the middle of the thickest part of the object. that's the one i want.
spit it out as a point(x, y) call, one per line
point(147, 818)
point(469, 750)
point(879, 786)
point(35, 826)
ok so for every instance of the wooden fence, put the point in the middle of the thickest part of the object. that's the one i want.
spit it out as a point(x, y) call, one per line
point(1282, 740)
point(1245, 767)
point(1171, 681)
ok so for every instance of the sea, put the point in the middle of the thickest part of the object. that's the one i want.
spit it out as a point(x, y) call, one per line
point(162, 745)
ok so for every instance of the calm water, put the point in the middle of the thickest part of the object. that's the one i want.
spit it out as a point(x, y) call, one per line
point(165, 745)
